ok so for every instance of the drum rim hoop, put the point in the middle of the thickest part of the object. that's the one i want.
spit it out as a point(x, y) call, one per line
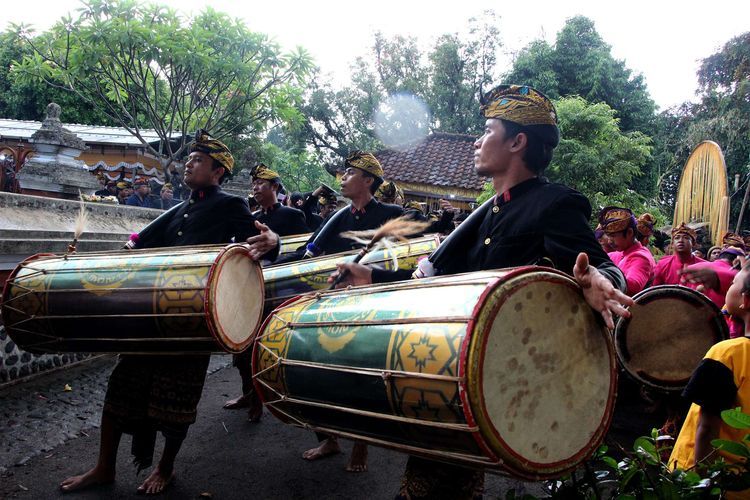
point(623, 323)
point(518, 464)
point(209, 299)
point(260, 390)
point(12, 276)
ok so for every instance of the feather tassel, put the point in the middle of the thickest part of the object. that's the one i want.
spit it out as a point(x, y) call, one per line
point(395, 230)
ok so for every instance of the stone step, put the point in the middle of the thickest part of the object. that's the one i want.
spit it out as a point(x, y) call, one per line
point(25, 246)
point(35, 234)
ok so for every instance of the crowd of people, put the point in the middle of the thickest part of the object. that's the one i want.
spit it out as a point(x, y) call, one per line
point(529, 221)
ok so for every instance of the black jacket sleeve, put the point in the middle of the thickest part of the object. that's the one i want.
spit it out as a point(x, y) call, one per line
point(567, 233)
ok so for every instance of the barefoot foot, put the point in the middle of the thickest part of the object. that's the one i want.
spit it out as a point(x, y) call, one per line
point(236, 403)
point(94, 477)
point(327, 448)
point(358, 460)
point(156, 482)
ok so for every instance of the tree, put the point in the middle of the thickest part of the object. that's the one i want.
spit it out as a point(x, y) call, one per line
point(581, 63)
point(28, 100)
point(147, 66)
point(448, 78)
point(721, 115)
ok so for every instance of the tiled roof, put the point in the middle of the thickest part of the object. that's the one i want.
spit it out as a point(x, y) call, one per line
point(90, 134)
point(440, 160)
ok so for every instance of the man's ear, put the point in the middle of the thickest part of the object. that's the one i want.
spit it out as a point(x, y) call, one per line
point(519, 142)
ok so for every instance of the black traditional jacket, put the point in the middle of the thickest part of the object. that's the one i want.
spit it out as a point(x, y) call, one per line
point(209, 216)
point(533, 223)
point(282, 220)
point(327, 238)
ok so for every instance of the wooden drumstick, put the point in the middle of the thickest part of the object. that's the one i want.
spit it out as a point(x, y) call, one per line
point(395, 229)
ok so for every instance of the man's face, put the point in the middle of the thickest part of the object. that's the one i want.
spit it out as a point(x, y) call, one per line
point(492, 151)
point(621, 240)
point(264, 192)
point(735, 298)
point(112, 188)
point(327, 209)
point(354, 183)
point(682, 243)
point(166, 194)
point(142, 190)
point(199, 171)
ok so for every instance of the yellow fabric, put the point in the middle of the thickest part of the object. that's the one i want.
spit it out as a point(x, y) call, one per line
point(122, 185)
point(365, 161)
point(519, 104)
point(684, 229)
point(213, 148)
point(735, 355)
point(615, 219)
point(260, 171)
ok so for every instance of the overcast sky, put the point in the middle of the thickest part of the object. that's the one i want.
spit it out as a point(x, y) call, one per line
point(663, 40)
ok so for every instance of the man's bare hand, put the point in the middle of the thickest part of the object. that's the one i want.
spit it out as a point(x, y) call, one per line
point(600, 293)
point(703, 276)
point(266, 241)
point(354, 275)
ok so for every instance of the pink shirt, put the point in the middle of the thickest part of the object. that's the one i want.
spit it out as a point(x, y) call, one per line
point(637, 264)
point(726, 273)
point(668, 269)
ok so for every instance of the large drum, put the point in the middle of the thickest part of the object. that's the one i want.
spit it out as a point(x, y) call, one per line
point(669, 332)
point(507, 370)
point(285, 281)
point(168, 300)
point(291, 243)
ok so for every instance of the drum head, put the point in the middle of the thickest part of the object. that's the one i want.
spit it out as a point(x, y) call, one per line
point(670, 330)
point(234, 302)
point(541, 374)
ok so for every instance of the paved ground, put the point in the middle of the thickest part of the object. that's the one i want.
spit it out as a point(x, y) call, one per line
point(50, 433)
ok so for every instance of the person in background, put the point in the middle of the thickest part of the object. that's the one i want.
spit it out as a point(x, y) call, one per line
point(669, 269)
point(635, 261)
point(140, 198)
point(713, 253)
point(109, 190)
point(125, 191)
point(166, 200)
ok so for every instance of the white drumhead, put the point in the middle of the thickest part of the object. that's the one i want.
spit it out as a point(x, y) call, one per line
point(547, 375)
point(236, 298)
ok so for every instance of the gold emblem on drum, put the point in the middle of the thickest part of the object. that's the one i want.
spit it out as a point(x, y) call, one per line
point(104, 281)
point(335, 337)
point(433, 350)
point(180, 291)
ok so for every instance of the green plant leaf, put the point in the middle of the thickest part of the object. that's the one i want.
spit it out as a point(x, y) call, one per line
point(736, 418)
point(733, 447)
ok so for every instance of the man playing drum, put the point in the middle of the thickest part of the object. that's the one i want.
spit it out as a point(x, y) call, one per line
point(146, 394)
point(363, 175)
point(529, 221)
point(284, 221)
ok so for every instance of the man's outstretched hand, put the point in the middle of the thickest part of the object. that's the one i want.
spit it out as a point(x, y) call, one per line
point(600, 293)
point(263, 243)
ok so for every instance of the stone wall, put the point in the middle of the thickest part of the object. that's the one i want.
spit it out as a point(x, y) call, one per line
point(15, 363)
point(34, 224)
